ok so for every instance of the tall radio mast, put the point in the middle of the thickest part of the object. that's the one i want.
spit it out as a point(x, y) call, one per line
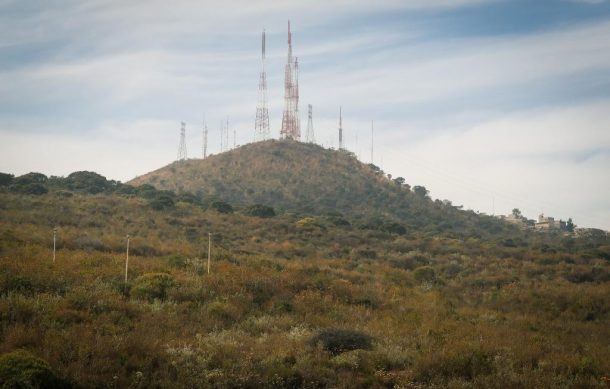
point(309, 135)
point(182, 145)
point(291, 127)
point(261, 125)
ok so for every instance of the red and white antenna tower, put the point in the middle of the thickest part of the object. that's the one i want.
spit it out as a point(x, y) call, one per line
point(261, 126)
point(291, 126)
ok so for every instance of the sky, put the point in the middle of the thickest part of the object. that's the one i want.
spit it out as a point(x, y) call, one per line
point(491, 104)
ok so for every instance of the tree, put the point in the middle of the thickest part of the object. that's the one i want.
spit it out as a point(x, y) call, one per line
point(6, 179)
point(570, 226)
point(420, 191)
point(31, 178)
point(517, 213)
point(399, 181)
point(88, 182)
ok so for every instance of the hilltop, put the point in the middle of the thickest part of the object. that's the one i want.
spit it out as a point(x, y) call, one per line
point(308, 179)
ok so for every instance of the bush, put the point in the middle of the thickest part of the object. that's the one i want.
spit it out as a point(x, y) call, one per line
point(466, 364)
point(89, 244)
point(221, 206)
point(152, 286)
point(88, 182)
point(394, 228)
point(20, 369)
point(424, 274)
point(6, 179)
point(337, 341)
point(308, 222)
point(161, 201)
point(260, 210)
point(32, 189)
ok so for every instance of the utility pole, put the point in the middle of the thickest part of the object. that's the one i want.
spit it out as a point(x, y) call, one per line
point(209, 250)
point(54, 239)
point(127, 260)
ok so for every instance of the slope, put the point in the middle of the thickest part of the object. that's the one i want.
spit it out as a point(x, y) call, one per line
point(308, 179)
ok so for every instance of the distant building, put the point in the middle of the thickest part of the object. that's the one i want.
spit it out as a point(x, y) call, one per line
point(549, 223)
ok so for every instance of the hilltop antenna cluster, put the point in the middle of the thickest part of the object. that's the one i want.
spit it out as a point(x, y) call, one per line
point(261, 125)
point(340, 130)
point(291, 127)
point(182, 145)
point(309, 136)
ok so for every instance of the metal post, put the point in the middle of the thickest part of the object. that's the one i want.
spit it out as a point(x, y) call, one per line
point(54, 239)
point(209, 249)
point(127, 259)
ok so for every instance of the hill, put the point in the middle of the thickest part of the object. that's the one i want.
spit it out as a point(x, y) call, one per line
point(306, 298)
point(308, 179)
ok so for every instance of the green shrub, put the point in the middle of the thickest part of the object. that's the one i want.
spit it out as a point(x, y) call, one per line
point(394, 228)
point(88, 182)
point(221, 206)
point(161, 201)
point(337, 340)
point(20, 369)
point(152, 286)
point(33, 188)
point(6, 179)
point(424, 274)
point(260, 210)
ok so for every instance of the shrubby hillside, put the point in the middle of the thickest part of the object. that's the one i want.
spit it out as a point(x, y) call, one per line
point(308, 179)
point(389, 293)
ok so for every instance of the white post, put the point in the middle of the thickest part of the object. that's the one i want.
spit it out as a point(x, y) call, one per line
point(209, 249)
point(127, 259)
point(54, 239)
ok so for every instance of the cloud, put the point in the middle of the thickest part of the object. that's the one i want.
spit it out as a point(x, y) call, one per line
point(531, 160)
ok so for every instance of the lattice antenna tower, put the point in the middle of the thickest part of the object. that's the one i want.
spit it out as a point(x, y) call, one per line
point(309, 135)
point(182, 145)
point(291, 127)
point(204, 150)
point(340, 130)
point(261, 125)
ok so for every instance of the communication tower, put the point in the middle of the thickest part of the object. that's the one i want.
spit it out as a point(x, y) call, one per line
point(182, 145)
point(261, 125)
point(309, 135)
point(291, 127)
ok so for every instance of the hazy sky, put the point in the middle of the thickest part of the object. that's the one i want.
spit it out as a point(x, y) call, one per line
point(493, 104)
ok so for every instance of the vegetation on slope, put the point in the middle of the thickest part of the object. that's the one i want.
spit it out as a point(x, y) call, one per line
point(293, 300)
point(308, 179)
